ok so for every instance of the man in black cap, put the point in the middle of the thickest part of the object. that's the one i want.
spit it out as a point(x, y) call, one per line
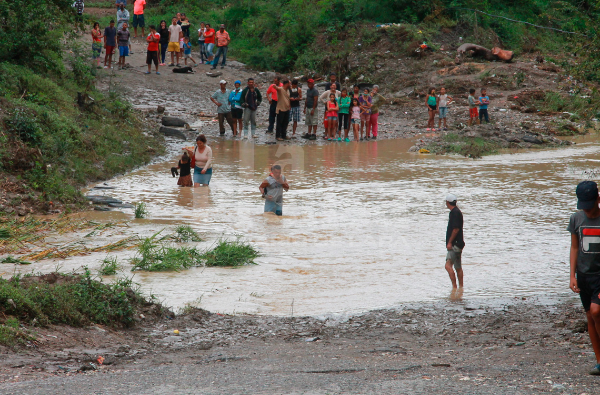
point(585, 260)
point(454, 241)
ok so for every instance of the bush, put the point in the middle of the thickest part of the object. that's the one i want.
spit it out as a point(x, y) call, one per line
point(230, 253)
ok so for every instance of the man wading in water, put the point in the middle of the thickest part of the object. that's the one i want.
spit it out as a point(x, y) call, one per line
point(454, 241)
point(585, 260)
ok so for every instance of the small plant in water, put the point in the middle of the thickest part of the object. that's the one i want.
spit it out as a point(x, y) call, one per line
point(184, 233)
point(156, 256)
point(230, 253)
point(109, 266)
point(140, 210)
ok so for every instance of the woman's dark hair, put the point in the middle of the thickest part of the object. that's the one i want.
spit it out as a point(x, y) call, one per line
point(185, 158)
point(96, 24)
point(161, 22)
point(471, 91)
point(334, 98)
point(430, 90)
point(356, 86)
point(354, 99)
point(201, 138)
point(367, 89)
point(344, 90)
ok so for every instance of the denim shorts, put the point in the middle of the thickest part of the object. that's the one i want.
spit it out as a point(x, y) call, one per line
point(355, 121)
point(209, 49)
point(333, 119)
point(123, 51)
point(455, 256)
point(443, 112)
point(200, 178)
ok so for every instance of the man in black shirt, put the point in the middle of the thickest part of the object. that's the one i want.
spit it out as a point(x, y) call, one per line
point(454, 241)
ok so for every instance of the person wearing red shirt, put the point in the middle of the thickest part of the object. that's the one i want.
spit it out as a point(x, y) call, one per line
point(272, 97)
point(152, 55)
point(223, 40)
point(138, 16)
point(209, 41)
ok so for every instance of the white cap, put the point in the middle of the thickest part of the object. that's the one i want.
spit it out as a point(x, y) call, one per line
point(222, 82)
point(451, 198)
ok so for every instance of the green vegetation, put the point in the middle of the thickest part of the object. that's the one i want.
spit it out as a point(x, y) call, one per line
point(230, 253)
point(472, 147)
point(57, 132)
point(4, 233)
point(71, 299)
point(140, 210)
point(109, 267)
point(155, 255)
point(11, 259)
point(185, 233)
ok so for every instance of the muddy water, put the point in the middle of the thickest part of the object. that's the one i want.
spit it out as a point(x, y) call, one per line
point(363, 226)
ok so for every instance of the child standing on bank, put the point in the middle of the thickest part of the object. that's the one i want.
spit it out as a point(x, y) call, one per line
point(484, 101)
point(443, 101)
point(185, 177)
point(187, 51)
point(472, 107)
point(332, 117)
point(431, 103)
point(355, 117)
point(344, 115)
point(152, 55)
point(272, 190)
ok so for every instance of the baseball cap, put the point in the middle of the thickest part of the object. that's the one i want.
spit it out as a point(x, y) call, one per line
point(587, 195)
point(222, 82)
point(222, 26)
point(311, 80)
point(238, 82)
point(451, 198)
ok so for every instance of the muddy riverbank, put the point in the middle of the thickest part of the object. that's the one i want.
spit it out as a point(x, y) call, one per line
point(501, 346)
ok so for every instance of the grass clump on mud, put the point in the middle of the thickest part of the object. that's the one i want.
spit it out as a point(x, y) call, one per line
point(185, 233)
point(471, 147)
point(73, 299)
point(109, 267)
point(156, 255)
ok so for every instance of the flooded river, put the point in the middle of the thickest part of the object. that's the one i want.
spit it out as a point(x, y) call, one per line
point(363, 226)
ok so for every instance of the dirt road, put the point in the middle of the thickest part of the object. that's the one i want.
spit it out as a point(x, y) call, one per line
point(478, 347)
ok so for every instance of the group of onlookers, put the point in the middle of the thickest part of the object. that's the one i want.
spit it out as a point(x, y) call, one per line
point(438, 104)
point(342, 109)
point(173, 38)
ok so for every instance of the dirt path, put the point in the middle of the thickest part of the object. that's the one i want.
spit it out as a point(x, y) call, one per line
point(483, 347)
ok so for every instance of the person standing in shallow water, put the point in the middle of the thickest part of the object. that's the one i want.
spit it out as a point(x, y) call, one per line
point(201, 161)
point(454, 241)
point(272, 190)
point(584, 227)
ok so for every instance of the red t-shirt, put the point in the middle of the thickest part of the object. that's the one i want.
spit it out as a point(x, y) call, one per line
point(153, 46)
point(273, 91)
point(211, 39)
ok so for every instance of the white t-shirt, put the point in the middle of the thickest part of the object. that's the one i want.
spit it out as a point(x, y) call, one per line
point(443, 101)
point(201, 36)
point(174, 30)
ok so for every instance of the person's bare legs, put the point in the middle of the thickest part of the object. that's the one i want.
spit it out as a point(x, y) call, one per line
point(294, 126)
point(362, 125)
point(173, 58)
point(177, 54)
point(355, 131)
point(134, 32)
point(450, 271)
point(239, 125)
point(593, 317)
point(368, 124)
point(459, 274)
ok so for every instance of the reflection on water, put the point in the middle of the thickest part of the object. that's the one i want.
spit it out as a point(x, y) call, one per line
point(363, 225)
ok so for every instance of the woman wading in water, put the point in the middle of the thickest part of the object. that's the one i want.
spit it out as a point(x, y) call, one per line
point(201, 161)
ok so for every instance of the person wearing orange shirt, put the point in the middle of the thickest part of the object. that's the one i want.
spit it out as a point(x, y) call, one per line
point(138, 16)
point(272, 97)
point(223, 40)
point(152, 55)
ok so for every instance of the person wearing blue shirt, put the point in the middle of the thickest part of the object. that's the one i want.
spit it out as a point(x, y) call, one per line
point(187, 51)
point(484, 101)
point(237, 111)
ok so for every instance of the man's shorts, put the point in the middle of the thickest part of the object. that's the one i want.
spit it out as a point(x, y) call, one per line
point(123, 51)
point(443, 112)
point(454, 255)
point(152, 56)
point(110, 49)
point(173, 47)
point(365, 117)
point(237, 113)
point(589, 286)
point(272, 207)
point(473, 112)
point(295, 114)
point(311, 120)
point(138, 20)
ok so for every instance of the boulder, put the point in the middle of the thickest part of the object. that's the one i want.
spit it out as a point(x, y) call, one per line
point(172, 121)
point(98, 199)
point(171, 132)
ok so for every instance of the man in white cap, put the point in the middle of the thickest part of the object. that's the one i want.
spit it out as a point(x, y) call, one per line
point(454, 241)
point(221, 100)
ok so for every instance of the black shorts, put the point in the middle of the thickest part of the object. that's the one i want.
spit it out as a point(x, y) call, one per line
point(589, 286)
point(432, 108)
point(237, 113)
point(152, 56)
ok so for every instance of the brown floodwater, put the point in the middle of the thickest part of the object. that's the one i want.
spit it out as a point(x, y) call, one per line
point(363, 226)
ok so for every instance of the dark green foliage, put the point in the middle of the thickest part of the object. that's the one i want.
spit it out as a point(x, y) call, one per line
point(230, 253)
point(75, 300)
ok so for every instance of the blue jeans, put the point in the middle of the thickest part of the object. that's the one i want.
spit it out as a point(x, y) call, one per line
point(272, 207)
point(200, 178)
point(203, 54)
point(220, 51)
